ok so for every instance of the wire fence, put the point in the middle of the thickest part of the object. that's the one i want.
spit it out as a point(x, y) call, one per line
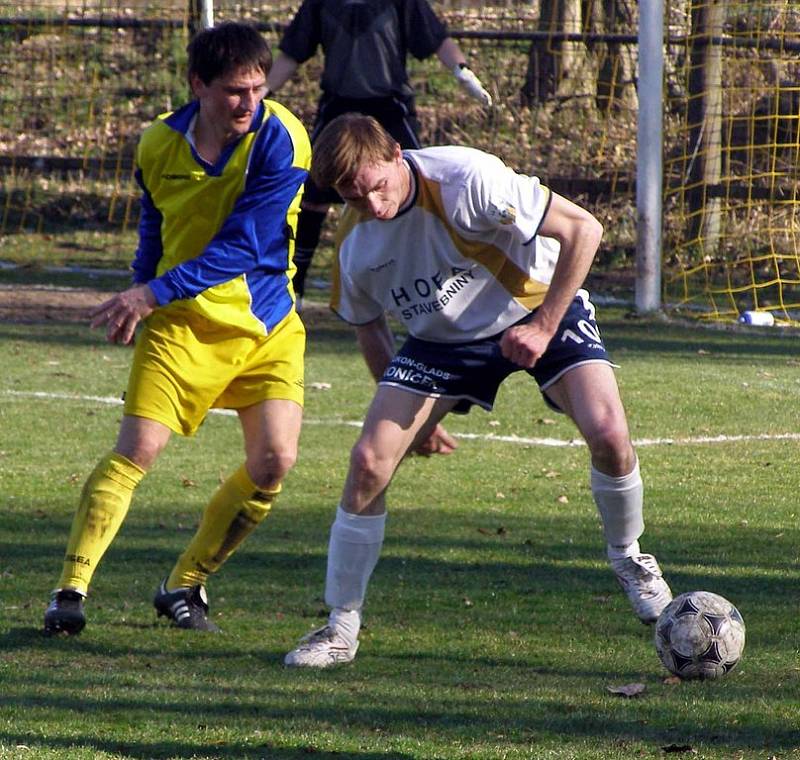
point(84, 77)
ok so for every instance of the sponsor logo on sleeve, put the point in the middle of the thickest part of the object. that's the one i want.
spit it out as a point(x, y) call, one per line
point(505, 213)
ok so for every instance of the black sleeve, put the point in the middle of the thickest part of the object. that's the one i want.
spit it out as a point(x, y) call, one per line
point(425, 32)
point(302, 36)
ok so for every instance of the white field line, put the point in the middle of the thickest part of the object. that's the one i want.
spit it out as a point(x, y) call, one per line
point(513, 439)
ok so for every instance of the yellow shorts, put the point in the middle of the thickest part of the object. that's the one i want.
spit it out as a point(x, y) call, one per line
point(184, 365)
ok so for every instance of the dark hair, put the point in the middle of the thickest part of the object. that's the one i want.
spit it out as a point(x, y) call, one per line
point(215, 51)
point(347, 143)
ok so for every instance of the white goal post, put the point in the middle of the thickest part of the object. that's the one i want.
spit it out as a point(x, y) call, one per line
point(649, 162)
point(206, 13)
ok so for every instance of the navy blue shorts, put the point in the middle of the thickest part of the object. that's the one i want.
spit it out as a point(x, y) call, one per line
point(472, 372)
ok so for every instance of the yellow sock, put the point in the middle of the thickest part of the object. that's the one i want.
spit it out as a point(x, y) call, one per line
point(104, 503)
point(234, 511)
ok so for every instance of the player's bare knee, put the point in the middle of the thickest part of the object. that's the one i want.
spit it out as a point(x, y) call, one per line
point(367, 469)
point(611, 448)
point(143, 453)
point(272, 466)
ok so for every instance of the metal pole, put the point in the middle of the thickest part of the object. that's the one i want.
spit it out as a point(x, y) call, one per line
point(207, 13)
point(649, 163)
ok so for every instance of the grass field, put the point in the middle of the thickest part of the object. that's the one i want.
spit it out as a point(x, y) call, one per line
point(494, 627)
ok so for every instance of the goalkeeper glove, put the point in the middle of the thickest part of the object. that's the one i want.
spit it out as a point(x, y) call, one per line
point(467, 79)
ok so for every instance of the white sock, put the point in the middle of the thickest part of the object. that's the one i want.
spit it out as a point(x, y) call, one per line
point(347, 623)
point(620, 502)
point(620, 552)
point(353, 551)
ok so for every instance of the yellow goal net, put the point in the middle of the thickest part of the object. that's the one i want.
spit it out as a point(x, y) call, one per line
point(732, 158)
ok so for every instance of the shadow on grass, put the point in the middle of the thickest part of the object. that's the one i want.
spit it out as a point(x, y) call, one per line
point(536, 554)
point(514, 579)
point(412, 690)
point(197, 749)
point(55, 333)
point(650, 337)
point(361, 699)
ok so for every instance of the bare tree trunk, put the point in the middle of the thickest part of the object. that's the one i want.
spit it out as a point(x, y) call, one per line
point(616, 68)
point(704, 158)
point(195, 15)
point(575, 72)
point(540, 77)
point(568, 69)
point(558, 68)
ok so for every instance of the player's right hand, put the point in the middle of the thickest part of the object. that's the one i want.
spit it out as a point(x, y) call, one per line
point(122, 312)
point(524, 344)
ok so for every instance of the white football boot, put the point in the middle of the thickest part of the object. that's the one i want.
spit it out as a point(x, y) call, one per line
point(641, 579)
point(323, 648)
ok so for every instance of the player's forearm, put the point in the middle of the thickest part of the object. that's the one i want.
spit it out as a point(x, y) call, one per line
point(282, 70)
point(453, 58)
point(377, 345)
point(450, 54)
point(579, 235)
point(570, 273)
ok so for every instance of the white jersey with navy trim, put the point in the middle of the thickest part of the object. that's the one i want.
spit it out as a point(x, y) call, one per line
point(463, 262)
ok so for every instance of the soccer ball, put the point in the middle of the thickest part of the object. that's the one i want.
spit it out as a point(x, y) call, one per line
point(699, 635)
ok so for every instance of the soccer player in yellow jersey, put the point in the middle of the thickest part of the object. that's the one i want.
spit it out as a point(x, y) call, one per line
point(221, 181)
point(484, 268)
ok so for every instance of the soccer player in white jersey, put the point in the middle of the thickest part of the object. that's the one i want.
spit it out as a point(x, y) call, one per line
point(483, 267)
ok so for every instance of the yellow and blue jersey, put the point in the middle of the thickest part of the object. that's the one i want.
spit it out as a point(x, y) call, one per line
point(219, 239)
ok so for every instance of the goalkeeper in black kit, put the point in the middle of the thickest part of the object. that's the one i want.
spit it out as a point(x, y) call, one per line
point(365, 44)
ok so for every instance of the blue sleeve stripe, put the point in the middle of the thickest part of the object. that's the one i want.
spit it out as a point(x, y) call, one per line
point(150, 248)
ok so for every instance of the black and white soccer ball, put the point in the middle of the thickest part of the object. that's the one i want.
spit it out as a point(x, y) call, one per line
point(699, 635)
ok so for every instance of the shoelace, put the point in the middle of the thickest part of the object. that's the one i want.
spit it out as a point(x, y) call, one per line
point(642, 564)
point(321, 634)
point(647, 562)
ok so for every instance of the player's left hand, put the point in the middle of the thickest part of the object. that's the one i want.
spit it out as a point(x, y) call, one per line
point(438, 442)
point(469, 81)
point(123, 312)
point(525, 344)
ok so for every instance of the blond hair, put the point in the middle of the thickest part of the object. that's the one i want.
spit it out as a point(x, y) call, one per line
point(348, 143)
